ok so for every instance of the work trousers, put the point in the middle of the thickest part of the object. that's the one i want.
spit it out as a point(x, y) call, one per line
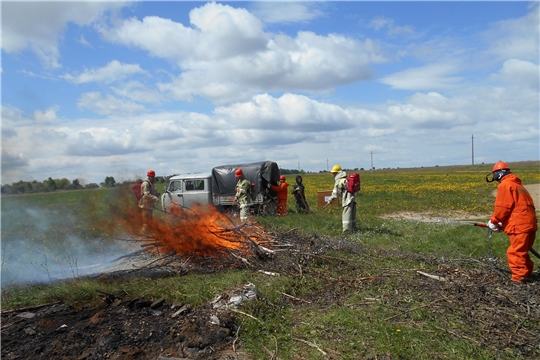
point(348, 218)
point(244, 212)
point(282, 207)
point(146, 219)
point(519, 261)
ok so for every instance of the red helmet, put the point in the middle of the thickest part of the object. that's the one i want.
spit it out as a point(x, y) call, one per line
point(282, 178)
point(151, 173)
point(239, 172)
point(501, 165)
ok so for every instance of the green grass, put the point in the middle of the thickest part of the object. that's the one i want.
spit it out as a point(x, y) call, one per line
point(353, 318)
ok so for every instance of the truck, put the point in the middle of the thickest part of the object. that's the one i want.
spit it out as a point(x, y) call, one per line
point(218, 188)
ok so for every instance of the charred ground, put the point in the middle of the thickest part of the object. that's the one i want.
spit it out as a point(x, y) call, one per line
point(471, 299)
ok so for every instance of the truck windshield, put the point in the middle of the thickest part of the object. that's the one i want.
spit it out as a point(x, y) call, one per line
point(175, 185)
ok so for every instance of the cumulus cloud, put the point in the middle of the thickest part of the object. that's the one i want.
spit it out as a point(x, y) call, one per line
point(519, 72)
point(101, 142)
point(47, 116)
point(112, 72)
point(38, 26)
point(290, 111)
point(226, 55)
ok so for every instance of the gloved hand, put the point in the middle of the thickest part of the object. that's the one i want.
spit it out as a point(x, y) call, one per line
point(494, 227)
point(268, 185)
point(235, 199)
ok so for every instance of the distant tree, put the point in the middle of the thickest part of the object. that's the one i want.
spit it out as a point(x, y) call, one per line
point(62, 184)
point(75, 184)
point(91, 186)
point(109, 182)
point(50, 185)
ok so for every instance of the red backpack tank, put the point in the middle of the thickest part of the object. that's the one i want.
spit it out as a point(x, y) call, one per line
point(353, 183)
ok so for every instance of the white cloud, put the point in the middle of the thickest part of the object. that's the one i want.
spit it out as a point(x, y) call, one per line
point(516, 38)
point(95, 102)
point(46, 116)
point(227, 56)
point(112, 72)
point(138, 92)
point(38, 26)
point(289, 112)
point(428, 77)
point(519, 72)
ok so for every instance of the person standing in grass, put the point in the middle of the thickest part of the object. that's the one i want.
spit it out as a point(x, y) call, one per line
point(298, 190)
point(148, 200)
point(243, 194)
point(281, 190)
point(515, 214)
point(348, 199)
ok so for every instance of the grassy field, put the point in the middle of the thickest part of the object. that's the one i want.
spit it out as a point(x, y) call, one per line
point(359, 319)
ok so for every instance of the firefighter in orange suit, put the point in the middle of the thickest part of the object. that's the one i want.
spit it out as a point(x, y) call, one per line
point(514, 213)
point(281, 190)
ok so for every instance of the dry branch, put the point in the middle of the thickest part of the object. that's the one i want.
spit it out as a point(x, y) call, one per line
point(439, 278)
point(245, 314)
point(313, 345)
point(295, 298)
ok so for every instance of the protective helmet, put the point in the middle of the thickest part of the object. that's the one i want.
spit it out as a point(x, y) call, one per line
point(499, 171)
point(501, 165)
point(239, 172)
point(335, 169)
point(151, 173)
point(282, 178)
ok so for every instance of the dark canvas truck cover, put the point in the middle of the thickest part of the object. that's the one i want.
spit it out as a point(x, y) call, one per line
point(259, 173)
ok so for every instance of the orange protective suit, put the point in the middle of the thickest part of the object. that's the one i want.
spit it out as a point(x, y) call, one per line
point(281, 190)
point(514, 208)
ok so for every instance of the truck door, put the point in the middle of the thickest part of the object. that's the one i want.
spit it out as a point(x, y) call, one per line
point(173, 196)
point(196, 191)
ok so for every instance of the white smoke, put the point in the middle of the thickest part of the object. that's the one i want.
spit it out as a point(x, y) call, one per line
point(37, 247)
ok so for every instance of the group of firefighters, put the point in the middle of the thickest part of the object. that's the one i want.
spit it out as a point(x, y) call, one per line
point(514, 212)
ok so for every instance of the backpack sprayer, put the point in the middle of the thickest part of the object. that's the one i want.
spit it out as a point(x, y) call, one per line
point(490, 234)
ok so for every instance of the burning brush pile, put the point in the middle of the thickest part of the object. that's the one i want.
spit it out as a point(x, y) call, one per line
point(200, 237)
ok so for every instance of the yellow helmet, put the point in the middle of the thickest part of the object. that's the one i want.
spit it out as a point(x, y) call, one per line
point(335, 169)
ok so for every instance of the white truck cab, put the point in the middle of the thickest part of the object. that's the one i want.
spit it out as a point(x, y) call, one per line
point(218, 187)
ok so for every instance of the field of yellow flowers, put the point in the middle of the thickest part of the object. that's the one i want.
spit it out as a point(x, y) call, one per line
point(438, 189)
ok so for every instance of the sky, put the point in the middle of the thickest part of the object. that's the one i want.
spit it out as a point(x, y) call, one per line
point(97, 89)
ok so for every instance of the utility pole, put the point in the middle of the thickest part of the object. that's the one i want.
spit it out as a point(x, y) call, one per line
point(326, 164)
point(472, 144)
point(299, 166)
point(371, 152)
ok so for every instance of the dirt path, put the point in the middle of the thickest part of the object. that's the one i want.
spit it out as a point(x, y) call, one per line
point(534, 190)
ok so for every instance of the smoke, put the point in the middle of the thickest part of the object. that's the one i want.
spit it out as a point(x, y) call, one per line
point(49, 241)
point(25, 261)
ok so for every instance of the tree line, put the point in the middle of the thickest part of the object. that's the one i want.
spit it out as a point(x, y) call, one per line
point(50, 185)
